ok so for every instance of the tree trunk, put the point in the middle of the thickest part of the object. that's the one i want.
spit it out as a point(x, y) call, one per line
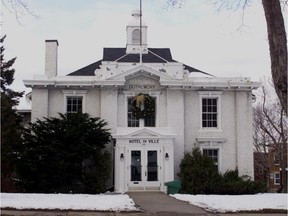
point(278, 48)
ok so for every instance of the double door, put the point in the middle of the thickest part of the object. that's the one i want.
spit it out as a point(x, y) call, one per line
point(145, 168)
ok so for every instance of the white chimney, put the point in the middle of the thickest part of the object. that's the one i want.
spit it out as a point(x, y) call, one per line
point(51, 57)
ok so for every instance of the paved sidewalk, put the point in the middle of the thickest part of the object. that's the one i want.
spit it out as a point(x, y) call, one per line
point(158, 203)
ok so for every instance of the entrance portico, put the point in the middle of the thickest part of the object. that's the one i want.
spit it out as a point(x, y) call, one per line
point(144, 159)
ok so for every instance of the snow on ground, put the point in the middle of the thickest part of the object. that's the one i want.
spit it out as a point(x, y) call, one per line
point(100, 202)
point(120, 202)
point(234, 203)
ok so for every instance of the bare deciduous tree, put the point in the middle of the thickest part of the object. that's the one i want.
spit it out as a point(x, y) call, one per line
point(270, 131)
point(278, 48)
point(276, 37)
point(18, 8)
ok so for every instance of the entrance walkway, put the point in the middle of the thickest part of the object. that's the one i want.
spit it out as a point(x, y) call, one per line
point(158, 203)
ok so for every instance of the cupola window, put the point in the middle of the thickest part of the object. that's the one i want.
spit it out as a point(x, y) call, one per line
point(136, 36)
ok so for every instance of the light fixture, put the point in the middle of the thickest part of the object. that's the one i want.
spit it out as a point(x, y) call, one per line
point(166, 156)
point(121, 156)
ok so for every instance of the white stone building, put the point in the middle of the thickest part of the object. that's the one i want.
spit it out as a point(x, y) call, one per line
point(191, 108)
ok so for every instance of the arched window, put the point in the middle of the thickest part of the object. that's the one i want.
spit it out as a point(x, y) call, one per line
point(136, 36)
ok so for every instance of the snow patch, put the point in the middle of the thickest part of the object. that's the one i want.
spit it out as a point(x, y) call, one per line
point(100, 202)
point(234, 203)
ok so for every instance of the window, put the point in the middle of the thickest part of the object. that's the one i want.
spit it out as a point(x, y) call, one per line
point(136, 167)
point(150, 121)
point(74, 101)
point(260, 170)
point(134, 122)
point(74, 104)
point(213, 154)
point(276, 159)
point(209, 112)
point(276, 178)
point(136, 36)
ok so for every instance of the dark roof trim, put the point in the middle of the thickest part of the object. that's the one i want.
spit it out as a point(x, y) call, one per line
point(191, 70)
point(88, 70)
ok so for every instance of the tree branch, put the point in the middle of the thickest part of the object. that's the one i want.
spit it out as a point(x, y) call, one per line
point(18, 8)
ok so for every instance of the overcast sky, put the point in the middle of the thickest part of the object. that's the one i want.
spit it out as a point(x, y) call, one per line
point(196, 33)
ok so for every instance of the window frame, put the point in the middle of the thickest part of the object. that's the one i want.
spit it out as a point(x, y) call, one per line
point(136, 37)
point(277, 178)
point(150, 119)
point(134, 121)
point(75, 100)
point(212, 143)
point(154, 94)
point(74, 93)
point(218, 157)
point(210, 95)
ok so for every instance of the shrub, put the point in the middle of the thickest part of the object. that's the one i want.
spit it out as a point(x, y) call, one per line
point(199, 176)
point(231, 183)
point(64, 155)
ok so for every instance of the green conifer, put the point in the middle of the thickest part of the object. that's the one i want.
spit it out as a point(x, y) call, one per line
point(65, 155)
point(10, 122)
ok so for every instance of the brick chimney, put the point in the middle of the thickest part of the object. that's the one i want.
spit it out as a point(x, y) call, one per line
point(51, 58)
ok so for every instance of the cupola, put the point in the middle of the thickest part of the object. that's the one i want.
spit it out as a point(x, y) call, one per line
point(136, 40)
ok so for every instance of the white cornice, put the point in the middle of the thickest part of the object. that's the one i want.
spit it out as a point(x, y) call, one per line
point(212, 83)
point(165, 80)
point(72, 82)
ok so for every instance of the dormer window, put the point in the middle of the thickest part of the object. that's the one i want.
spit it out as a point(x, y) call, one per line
point(136, 37)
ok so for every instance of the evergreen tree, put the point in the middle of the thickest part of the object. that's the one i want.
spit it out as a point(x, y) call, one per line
point(64, 155)
point(10, 121)
point(198, 173)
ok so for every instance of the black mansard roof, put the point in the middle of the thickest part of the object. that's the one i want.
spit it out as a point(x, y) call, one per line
point(155, 55)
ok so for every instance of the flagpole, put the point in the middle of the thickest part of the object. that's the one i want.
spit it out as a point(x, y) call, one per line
point(140, 31)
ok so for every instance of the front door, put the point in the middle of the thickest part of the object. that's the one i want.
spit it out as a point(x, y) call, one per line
point(145, 171)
